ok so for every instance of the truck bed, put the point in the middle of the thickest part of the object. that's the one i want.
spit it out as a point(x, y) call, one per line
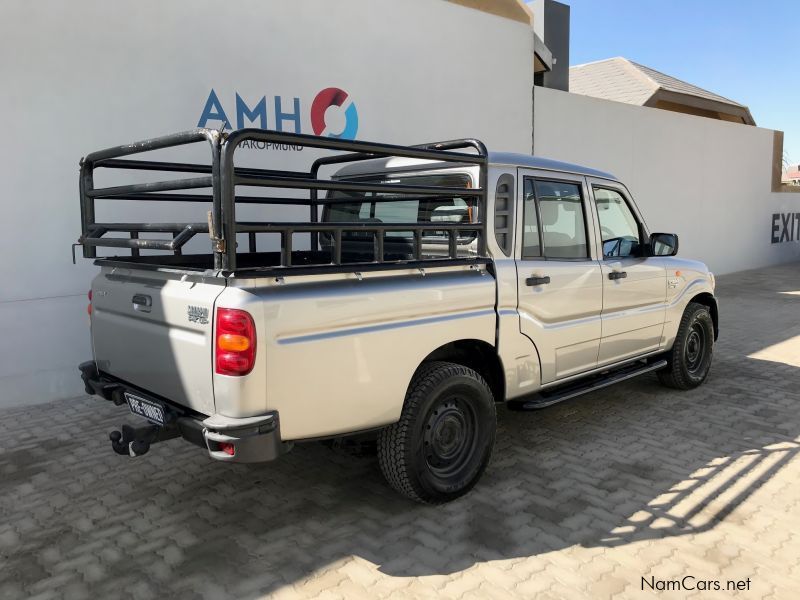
point(353, 340)
point(346, 322)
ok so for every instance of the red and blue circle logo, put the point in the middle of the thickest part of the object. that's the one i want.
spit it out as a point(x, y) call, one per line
point(334, 97)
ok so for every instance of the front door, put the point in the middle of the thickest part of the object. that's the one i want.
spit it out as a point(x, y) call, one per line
point(560, 282)
point(634, 284)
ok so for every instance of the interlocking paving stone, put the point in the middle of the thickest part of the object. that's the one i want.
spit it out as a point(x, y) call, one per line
point(581, 500)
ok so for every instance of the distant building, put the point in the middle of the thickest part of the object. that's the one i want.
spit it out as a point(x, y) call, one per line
point(791, 176)
point(623, 80)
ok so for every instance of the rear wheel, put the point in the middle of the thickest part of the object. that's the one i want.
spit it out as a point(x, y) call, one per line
point(689, 360)
point(443, 441)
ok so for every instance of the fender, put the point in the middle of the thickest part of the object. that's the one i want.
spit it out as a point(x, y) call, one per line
point(685, 286)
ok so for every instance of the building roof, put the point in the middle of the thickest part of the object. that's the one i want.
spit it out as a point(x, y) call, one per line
point(791, 174)
point(623, 80)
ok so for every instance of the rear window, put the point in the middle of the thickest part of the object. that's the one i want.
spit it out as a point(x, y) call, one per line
point(364, 208)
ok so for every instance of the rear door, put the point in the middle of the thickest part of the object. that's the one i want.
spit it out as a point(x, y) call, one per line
point(559, 277)
point(634, 284)
point(154, 330)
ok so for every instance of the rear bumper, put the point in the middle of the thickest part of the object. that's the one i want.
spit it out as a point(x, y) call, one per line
point(253, 439)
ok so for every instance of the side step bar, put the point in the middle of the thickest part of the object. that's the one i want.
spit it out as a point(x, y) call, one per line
point(550, 397)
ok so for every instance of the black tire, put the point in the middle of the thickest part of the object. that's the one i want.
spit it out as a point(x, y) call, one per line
point(443, 441)
point(689, 360)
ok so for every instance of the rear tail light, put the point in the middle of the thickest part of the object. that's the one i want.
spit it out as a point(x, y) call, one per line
point(227, 448)
point(89, 307)
point(235, 342)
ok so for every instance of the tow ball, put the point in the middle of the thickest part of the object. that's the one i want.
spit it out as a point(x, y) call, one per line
point(136, 441)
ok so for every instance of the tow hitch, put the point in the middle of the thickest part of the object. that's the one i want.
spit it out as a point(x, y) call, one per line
point(242, 439)
point(136, 441)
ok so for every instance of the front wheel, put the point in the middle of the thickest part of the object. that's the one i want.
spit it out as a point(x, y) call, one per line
point(689, 360)
point(443, 441)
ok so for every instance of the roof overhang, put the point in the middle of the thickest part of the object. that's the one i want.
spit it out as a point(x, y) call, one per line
point(735, 110)
point(542, 57)
point(516, 10)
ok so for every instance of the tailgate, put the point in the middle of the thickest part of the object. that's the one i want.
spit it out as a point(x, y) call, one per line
point(154, 330)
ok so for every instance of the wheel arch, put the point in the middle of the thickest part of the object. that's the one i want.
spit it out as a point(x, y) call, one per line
point(707, 299)
point(477, 355)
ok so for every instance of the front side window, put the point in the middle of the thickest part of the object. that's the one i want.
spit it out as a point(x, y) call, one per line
point(618, 227)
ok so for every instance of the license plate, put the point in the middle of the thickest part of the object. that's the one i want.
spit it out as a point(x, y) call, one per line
point(152, 411)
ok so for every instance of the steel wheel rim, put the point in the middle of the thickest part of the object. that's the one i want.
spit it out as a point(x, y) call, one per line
point(449, 435)
point(695, 348)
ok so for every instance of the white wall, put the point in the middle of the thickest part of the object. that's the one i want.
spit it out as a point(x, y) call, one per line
point(708, 181)
point(87, 74)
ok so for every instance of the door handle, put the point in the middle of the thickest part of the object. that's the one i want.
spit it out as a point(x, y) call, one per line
point(537, 280)
point(617, 275)
point(142, 302)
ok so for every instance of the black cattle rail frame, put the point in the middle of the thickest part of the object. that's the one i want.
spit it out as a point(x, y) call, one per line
point(221, 177)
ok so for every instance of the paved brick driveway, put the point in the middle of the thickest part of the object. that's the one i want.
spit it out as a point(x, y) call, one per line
point(582, 500)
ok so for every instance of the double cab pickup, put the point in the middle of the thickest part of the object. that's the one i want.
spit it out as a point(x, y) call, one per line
point(395, 292)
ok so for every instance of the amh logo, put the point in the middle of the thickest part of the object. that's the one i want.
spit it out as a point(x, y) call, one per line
point(322, 102)
point(214, 114)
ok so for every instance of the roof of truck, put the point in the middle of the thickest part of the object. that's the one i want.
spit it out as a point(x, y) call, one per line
point(537, 162)
point(495, 158)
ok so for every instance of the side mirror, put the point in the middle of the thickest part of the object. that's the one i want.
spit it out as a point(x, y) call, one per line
point(663, 244)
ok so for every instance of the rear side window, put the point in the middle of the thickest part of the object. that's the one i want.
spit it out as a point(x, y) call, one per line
point(531, 240)
point(554, 220)
point(563, 223)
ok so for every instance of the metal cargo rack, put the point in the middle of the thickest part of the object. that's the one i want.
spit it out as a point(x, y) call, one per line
point(221, 178)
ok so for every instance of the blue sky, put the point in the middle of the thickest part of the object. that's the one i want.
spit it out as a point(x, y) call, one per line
point(744, 50)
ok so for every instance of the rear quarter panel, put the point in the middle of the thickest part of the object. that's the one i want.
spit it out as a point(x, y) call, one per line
point(338, 355)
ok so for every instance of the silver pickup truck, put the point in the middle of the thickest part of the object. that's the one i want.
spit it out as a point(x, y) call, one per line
point(422, 286)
